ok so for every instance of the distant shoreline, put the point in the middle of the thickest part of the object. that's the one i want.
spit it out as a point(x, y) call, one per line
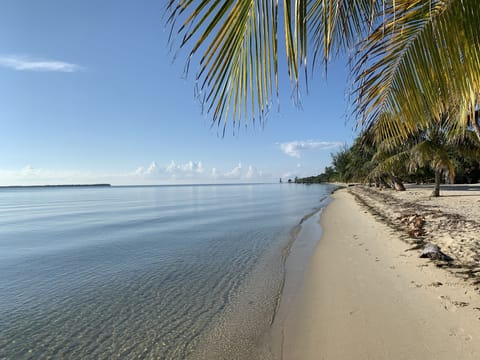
point(143, 185)
point(53, 186)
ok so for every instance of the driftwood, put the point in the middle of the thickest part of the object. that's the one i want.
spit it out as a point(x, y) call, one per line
point(433, 252)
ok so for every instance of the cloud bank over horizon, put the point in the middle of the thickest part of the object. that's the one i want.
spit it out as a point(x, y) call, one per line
point(190, 172)
point(195, 171)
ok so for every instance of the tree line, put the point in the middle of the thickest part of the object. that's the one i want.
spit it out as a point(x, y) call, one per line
point(430, 155)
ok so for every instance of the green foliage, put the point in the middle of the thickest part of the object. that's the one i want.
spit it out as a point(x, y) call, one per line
point(340, 162)
point(349, 164)
point(435, 148)
point(330, 175)
point(421, 61)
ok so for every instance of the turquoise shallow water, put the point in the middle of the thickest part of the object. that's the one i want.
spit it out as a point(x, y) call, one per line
point(169, 272)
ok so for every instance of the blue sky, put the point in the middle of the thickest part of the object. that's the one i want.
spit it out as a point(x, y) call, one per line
point(89, 93)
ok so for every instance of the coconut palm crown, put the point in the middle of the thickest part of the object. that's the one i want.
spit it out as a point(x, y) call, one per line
point(405, 55)
point(423, 59)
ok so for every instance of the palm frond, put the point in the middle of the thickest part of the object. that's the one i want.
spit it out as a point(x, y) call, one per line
point(389, 131)
point(238, 68)
point(424, 59)
point(337, 25)
point(389, 163)
point(428, 153)
point(238, 40)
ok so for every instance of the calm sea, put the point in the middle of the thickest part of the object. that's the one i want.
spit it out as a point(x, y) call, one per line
point(167, 272)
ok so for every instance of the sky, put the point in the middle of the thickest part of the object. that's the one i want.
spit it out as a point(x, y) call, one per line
point(90, 93)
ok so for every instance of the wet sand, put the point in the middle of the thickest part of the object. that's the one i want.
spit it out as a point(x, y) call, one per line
point(364, 296)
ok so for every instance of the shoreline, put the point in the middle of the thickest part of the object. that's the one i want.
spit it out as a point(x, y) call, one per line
point(295, 267)
point(262, 341)
point(364, 296)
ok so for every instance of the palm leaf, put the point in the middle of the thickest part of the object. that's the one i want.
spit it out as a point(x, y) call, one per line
point(424, 59)
point(236, 42)
point(427, 153)
point(337, 25)
point(389, 164)
point(238, 69)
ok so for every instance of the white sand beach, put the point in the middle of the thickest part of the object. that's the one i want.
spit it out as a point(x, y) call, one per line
point(367, 296)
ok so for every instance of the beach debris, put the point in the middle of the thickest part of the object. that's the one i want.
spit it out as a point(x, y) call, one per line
point(418, 221)
point(418, 245)
point(414, 223)
point(433, 252)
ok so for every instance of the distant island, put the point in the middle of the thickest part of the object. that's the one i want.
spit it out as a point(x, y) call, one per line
point(54, 186)
point(313, 179)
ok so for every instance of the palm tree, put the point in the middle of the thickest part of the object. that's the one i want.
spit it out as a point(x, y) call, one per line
point(428, 146)
point(424, 58)
point(391, 166)
point(426, 153)
point(405, 54)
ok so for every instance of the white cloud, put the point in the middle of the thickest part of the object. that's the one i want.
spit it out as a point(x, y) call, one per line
point(194, 171)
point(236, 172)
point(252, 173)
point(152, 169)
point(171, 167)
point(188, 172)
point(189, 167)
point(26, 63)
point(140, 170)
point(193, 166)
point(294, 148)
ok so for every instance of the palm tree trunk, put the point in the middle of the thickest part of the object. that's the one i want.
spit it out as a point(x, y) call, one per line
point(438, 179)
point(397, 184)
point(474, 123)
point(476, 128)
point(383, 183)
